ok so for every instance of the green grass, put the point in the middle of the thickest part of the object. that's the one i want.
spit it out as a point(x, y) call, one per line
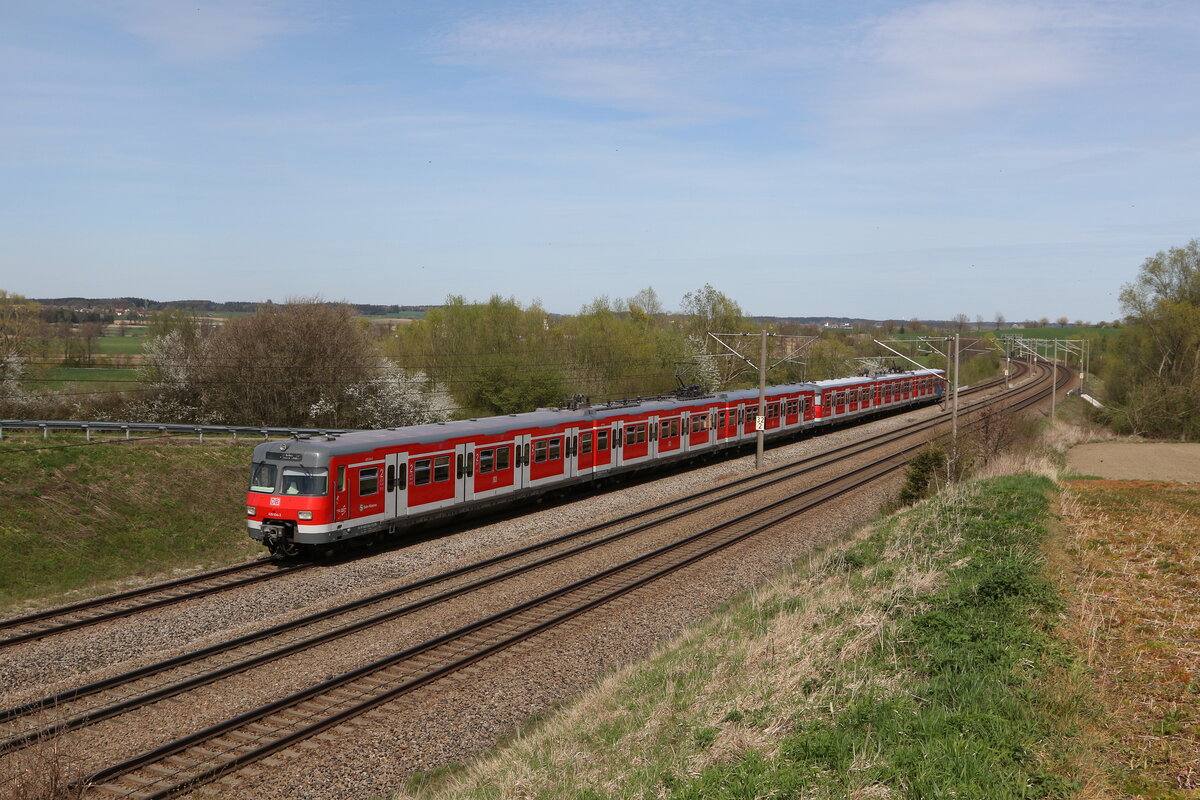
point(76, 517)
point(912, 664)
point(113, 345)
point(90, 379)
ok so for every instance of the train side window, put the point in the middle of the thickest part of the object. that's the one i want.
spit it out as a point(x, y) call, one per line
point(585, 443)
point(641, 434)
point(421, 472)
point(502, 458)
point(368, 481)
point(772, 410)
point(341, 479)
point(602, 440)
point(441, 469)
point(486, 459)
point(666, 428)
point(630, 435)
point(722, 417)
point(555, 449)
point(539, 451)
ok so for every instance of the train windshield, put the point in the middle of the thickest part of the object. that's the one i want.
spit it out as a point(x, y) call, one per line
point(262, 478)
point(305, 482)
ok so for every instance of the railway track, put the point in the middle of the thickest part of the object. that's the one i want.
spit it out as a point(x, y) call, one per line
point(102, 609)
point(251, 736)
point(45, 718)
point(92, 612)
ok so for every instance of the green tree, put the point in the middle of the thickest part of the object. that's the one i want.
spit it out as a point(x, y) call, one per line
point(1153, 366)
point(493, 358)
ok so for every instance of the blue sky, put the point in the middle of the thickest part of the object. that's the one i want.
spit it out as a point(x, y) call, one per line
point(877, 159)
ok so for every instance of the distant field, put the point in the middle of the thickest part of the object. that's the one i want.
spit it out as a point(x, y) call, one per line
point(1061, 333)
point(79, 379)
point(114, 345)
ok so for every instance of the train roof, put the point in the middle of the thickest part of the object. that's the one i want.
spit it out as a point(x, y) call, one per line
point(322, 448)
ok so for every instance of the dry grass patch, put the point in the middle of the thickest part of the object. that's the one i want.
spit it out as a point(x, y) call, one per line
point(781, 668)
point(1135, 548)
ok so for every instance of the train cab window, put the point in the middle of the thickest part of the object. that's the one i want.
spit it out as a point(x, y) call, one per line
point(585, 443)
point(555, 449)
point(305, 482)
point(539, 451)
point(502, 458)
point(486, 460)
point(602, 440)
point(441, 469)
point(368, 481)
point(421, 472)
point(262, 478)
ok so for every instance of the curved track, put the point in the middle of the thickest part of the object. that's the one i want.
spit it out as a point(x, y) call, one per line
point(26, 724)
point(248, 737)
point(102, 609)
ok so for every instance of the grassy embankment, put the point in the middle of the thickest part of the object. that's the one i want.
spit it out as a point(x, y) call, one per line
point(79, 516)
point(917, 661)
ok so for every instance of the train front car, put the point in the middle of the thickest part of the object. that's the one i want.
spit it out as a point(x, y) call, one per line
point(289, 498)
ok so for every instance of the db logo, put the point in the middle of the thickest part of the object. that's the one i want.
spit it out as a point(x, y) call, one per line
point(274, 501)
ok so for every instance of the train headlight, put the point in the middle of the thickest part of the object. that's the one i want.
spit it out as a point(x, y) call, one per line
point(251, 511)
point(305, 515)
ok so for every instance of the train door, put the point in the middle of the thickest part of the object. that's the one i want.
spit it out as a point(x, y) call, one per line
point(521, 457)
point(396, 485)
point(571, 449)
point(341, 496)
point(464, 471)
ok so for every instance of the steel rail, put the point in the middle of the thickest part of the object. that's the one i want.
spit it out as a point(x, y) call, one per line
point(152, 694)
point(92, 612)
point(251, 736)
point(79, 615)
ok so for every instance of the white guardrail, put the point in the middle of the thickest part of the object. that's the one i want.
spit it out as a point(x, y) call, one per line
point(265, 431)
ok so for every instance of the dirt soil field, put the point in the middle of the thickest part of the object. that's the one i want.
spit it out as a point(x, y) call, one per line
point(1137, 461)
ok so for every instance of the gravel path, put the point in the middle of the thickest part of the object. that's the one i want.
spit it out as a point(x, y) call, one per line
point(1138, 461)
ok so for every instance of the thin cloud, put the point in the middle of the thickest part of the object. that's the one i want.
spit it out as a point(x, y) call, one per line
point(944, 61)
point(667, 62)
point(186, 30)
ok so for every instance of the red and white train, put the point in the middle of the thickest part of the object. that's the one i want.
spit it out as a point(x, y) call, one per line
point(308, 492)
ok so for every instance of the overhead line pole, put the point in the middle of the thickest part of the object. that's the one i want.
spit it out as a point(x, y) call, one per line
point(760, 419)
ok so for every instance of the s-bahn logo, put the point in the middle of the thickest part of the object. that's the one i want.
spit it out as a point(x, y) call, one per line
point(274, 501)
